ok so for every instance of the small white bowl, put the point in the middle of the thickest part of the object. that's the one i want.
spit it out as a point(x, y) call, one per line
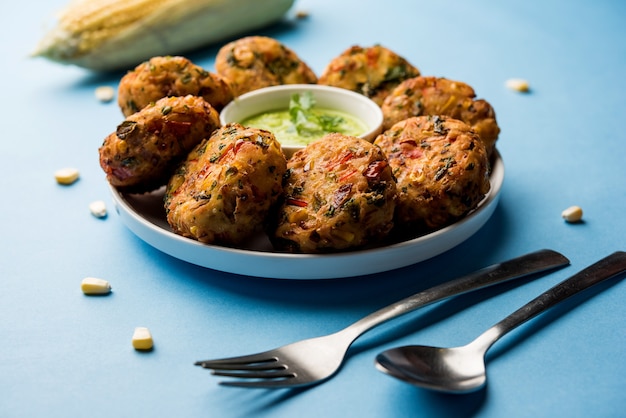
point(277, 98)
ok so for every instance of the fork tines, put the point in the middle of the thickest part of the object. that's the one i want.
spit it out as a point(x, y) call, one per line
point(256, 371)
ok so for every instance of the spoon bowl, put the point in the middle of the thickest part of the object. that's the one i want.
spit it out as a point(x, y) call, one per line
point(452, 370)
point(462, 369)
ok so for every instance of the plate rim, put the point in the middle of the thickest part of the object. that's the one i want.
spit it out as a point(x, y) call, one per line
point(279, 265)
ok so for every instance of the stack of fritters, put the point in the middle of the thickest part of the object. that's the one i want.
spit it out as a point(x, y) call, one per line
point(423, 96)
point(144, 150)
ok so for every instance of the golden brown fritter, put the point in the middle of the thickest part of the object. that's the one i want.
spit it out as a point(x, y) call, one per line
point(441, 167)
point(223, 192)
point(373, 71)
point(339, 195)
point(142, 153)
point(170, 76)
point(254, 62)
point(423, 96)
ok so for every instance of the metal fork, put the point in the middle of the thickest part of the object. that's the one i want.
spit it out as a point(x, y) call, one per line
point(314, 360)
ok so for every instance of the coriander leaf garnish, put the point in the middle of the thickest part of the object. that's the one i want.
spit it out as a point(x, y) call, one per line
point(306, 121)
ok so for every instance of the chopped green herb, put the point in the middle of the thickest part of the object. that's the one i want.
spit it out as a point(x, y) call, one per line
point(305, 121)
point(124, 129)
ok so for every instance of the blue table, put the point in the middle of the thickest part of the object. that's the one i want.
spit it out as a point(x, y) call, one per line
point(63, 354)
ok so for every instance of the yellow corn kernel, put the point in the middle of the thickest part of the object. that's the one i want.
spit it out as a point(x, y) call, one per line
point(302, 14)
point(122, 147)
point(344, 235)
point(297, 216)
point(572, 214)
point(142, 339)
point(95, 286)
point(452, 100)
point(518, 84)
point(417, 177)
point(66, 176)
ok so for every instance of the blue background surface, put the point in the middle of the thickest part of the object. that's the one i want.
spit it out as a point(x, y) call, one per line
point(63, 354)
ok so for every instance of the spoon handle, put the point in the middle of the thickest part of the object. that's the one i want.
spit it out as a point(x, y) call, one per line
point(604, 269)
point(535, 262)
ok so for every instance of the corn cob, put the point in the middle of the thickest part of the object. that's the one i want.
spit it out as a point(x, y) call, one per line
point(106, 35)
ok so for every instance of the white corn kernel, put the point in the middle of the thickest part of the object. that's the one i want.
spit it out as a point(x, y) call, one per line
point(66, 175)
point(98, 209)
point(104, 93)
point(95, 286)
point(518, 84)
point(142, 339)
point(572, 214)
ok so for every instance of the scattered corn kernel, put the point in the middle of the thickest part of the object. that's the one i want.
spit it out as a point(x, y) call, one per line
point(66, 175)
point(95, 286)
point(104, 93)
point(98, 209)
point(142, 339)
point(572, 214)
point(518, 84)
point(301, 14)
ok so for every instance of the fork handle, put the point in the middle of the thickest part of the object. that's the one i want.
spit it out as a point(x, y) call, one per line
point(600, 271)
point(525, 265)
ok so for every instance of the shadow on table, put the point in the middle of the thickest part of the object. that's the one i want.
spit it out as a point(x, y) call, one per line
point(430, 403)
point(367, 292)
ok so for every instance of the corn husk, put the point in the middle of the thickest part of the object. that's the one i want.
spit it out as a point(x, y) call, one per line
point(106, 35)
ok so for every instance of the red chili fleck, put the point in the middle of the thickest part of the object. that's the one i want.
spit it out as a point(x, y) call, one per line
point(238, 144)
point(347, 175)
point(372, 57)
point(178, 128)
point(225, 151)
point(410, 149)
point(296, 202)
point(342, 194)
point(374, 170)
point(347, 156)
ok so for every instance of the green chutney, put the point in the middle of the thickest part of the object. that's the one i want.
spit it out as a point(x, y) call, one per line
point(279, 122)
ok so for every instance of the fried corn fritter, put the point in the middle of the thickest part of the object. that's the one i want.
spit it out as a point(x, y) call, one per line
point(339, 195)
point(223, 192)
point(170, 76)
point(441, 167)
point(254, 62)
point(142, 153)
point(372, 71)
point(423, 96)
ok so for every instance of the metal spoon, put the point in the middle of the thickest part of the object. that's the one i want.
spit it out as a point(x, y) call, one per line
point(462, 369)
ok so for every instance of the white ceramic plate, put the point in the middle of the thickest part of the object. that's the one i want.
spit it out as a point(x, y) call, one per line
point(144, 215)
